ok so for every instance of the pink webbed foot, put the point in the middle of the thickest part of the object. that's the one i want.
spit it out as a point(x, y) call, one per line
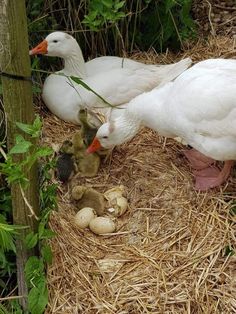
point(197, 160)
point(207, 172)
point(212, 177)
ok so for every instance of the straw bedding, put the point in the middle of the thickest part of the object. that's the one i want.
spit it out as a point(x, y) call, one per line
point(169, 253)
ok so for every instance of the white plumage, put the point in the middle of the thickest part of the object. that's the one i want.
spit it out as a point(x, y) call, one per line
point(199, 107)
point(116, 79)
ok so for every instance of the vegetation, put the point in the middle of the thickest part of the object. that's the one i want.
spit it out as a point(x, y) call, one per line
point(35, 266)
point(114, 27)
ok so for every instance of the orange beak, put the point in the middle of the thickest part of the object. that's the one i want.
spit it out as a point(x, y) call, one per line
point(94, 146)
point(40, 49)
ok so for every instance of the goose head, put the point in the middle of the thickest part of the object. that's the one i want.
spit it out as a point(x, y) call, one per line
point(106, 137)
point(57, 44)
point(114, 132)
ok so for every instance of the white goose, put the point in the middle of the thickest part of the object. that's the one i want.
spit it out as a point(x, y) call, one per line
point(199, 107)
point(116, 79)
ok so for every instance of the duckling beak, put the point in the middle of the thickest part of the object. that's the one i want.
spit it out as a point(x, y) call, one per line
point(41, 48)
point(96, 145)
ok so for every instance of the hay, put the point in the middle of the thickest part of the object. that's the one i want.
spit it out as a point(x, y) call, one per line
point(168, 254)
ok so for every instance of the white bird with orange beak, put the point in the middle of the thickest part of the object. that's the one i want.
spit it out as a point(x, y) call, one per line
point(199, 107)
point(117, 80)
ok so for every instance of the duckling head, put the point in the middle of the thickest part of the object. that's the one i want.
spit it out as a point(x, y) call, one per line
point(67, 148)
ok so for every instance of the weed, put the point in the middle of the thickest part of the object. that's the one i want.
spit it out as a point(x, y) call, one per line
point(35, 267)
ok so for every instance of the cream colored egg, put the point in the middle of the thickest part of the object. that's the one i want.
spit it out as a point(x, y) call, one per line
point(101, 225)
point(84, 216)
point(119, 206)
point(113, 193)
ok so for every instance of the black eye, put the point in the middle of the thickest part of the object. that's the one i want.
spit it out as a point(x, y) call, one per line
point(105, 136)
point(55, 41)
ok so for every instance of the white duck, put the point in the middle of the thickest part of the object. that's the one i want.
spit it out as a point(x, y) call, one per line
point(199, 107)
point(116, 79)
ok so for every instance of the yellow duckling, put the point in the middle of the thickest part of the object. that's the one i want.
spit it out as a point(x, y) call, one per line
point(88, 164)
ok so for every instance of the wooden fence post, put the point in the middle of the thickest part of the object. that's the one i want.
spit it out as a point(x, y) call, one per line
point(18, 104)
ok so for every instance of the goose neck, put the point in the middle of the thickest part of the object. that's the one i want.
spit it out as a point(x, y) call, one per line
point(75, 65)
point(129, 125)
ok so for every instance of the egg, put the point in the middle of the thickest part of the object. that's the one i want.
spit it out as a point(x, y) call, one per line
point(101, 225)
point(114, 192)
point(117, 202)
point(84, 216)
point(119, 206)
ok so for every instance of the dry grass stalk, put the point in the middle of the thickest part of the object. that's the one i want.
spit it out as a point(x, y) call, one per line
point(168, 255)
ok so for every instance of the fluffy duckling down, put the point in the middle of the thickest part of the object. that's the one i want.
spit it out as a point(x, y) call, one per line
point(88, 197)
point(88, 131)
point(65, 163)
point(88, 164)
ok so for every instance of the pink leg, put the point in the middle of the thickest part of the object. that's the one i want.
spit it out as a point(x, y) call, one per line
point(212, 177)
point(197, 160)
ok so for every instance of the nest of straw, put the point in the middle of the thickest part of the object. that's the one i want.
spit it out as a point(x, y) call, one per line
point(169, 253)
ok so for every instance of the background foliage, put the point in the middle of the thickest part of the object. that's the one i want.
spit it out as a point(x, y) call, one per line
point(113, 27)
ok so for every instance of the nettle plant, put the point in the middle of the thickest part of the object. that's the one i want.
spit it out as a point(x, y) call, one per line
point(15, 173)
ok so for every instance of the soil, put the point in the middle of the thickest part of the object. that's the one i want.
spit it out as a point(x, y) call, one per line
point(215, 16)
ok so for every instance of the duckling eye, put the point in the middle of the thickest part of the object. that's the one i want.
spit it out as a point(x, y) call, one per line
point(105, 137)
point(55, 41)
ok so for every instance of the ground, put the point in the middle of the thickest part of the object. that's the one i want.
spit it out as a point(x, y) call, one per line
point(217, 17)
point(170, 253)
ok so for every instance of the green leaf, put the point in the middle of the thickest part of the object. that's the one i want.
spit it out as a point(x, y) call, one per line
point(31, 240)
point(233, 210)
point(7, 233)
point(47, 234)
point(80, 82)
point(3, 310)
point(34, 270)
point(35, 63)
point(16, 308)
point(38, 298)
point(32, 129)
point(36, 89)
point(21, 146)
point(107, 3)
point(119, 5)
point(43, 152)
point(229, 251)
point(37, 126)
point(46, 253)
point(6, 240)
point(27, 128)
point(169, 4)
point(41, 228)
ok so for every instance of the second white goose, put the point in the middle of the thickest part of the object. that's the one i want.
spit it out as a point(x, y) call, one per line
point(199, 107)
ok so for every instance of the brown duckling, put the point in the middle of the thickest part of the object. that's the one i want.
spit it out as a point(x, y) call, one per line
point(88, 197)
